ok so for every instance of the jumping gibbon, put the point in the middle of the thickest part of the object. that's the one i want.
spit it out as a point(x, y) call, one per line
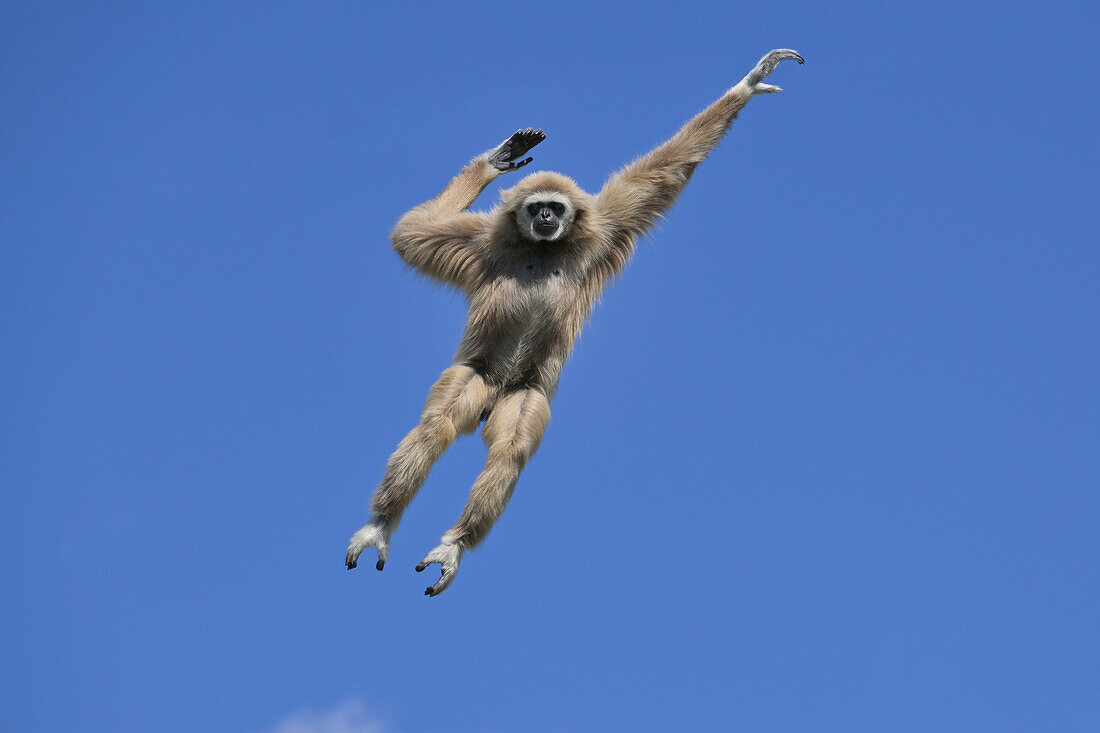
point(531, 269)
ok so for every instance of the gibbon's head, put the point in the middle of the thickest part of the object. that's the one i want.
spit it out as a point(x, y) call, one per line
point(545, 216)
point(545, 206)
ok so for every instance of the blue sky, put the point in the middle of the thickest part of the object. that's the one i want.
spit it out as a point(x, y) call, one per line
point(826, 457)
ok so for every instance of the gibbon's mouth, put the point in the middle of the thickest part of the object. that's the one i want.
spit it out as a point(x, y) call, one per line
point(545, 227)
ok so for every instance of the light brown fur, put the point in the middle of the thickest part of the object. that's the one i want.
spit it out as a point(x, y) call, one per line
point(528, 301)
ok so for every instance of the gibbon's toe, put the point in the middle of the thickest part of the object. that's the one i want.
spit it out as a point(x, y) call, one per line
point(441, 585)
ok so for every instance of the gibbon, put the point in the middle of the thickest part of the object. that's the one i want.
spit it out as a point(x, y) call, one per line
point(531, 269)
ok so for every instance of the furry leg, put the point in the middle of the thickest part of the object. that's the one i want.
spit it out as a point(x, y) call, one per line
point(454, 406)
point(512, 432)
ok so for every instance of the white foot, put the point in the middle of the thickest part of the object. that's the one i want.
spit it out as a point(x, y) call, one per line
point(448, 555)
point(375, 533)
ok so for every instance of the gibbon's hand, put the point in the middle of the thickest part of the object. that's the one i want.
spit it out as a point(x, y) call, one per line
point(766, 66)
point(504, 157)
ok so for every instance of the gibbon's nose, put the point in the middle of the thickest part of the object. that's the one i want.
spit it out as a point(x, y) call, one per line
point(547, 215)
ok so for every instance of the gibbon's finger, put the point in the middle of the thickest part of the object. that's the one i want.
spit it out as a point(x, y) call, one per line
point(520, 163)
point(772, 59)
point(788, 53)
point(530, 139)
point(423, 564)
point(765, 66)
point(519, 149)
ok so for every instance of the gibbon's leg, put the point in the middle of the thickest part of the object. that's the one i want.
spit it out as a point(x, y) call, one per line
point(512, 432)
point(454, 406)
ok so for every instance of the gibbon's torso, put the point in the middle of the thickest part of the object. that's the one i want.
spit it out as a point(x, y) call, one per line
point(526, 314)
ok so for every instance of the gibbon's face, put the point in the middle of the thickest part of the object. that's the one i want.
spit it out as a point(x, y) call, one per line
point(545, 216)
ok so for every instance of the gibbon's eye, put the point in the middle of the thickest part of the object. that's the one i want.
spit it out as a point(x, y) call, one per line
point(558, 208)
point(533, 209)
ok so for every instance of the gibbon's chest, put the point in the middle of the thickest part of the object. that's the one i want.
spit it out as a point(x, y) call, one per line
point(532, 291)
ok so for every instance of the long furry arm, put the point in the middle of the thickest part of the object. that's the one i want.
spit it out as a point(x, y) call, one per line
point(634, 199)
point(443, 240)
point(440, 237)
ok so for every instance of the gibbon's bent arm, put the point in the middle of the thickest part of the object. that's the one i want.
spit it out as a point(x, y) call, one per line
point(634, 199)
point(439, 237)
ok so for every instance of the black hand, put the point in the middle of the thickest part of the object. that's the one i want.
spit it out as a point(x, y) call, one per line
point(506, 156)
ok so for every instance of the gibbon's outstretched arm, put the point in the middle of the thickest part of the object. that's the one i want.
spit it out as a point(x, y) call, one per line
point(634, 198)
point(439, 237)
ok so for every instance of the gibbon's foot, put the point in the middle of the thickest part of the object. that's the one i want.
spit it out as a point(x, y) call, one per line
point(505, 157)
point(448, 555)
point(375, 533)
point(766, 66)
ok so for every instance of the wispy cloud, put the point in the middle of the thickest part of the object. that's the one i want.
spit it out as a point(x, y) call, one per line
point(347, 717)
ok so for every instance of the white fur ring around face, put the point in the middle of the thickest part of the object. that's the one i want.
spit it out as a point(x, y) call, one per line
point(448, 555)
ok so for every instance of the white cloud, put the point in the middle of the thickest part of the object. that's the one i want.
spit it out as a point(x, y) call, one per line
point(347, 717)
